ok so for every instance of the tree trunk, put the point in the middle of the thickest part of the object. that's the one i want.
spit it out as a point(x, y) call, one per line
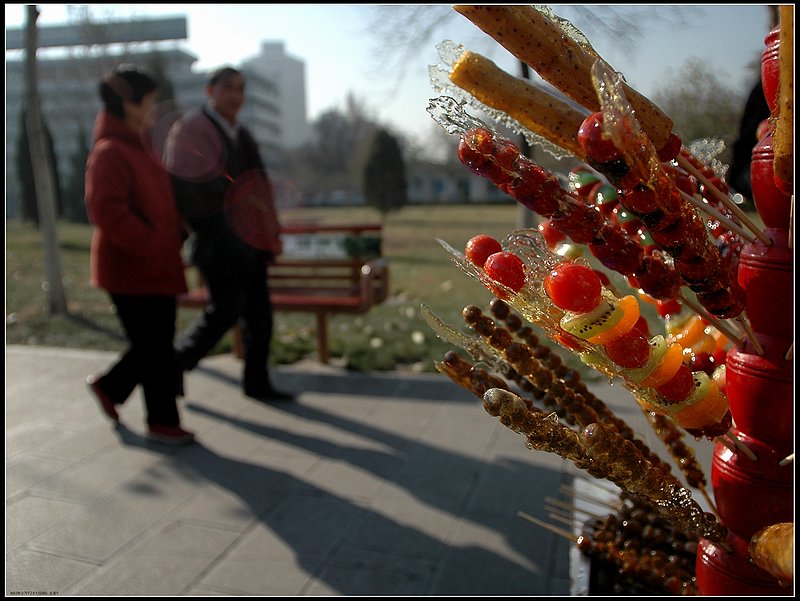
point(42, 174)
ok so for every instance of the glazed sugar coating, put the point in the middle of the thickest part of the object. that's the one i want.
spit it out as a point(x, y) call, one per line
point(633, 473)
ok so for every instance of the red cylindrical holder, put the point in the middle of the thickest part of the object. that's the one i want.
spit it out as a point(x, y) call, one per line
point(760, 391)
point(720, 572)
point(751, 495)
point(766, 275)
point(772, 203)
point(771, 68)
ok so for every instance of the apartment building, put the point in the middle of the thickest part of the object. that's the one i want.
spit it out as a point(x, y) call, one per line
point(73, 58)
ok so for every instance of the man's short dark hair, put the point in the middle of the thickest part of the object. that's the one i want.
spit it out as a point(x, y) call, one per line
point(126, 83)
point(215, 75)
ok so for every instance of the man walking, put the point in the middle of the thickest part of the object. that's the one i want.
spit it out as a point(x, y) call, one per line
point(224, 195)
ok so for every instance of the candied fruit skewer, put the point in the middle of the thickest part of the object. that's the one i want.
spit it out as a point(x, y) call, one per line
point(619, 148)
point(681, 453)
point(541, 192)
point(533, 108)
point(664, 428)
point(537, 189)
point(606, 337)
point(651, 195)
point(466, 375)
point(480, 352)
point(477, 380)
point(639, 523)
point(674, 580)
point(702, 412)
point(690, 164)
point(611, 457)
point(772, 549)
point(634, 473)
point(523, 362)
point(502, 311)
point(562, 395)
point(540, 41)
point(572, 73)
point(541, 113)
point(542, 431)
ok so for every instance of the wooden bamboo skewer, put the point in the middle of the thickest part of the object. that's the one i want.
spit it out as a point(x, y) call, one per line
point(728, 223)
point(790, 353)
point(738, 445)
point(720, 325)
point(724, 199)
point(554, 529)
point(727, 443)
point(564, 505)
point(565, 489)
point(750, 334)
point(567, 513)
point(708, 499)
point(559, 517)
point(786, 460)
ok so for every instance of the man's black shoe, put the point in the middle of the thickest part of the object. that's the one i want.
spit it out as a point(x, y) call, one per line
point(272, 395)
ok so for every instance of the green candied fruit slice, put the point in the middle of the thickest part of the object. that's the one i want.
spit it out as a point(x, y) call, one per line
point(602, 318)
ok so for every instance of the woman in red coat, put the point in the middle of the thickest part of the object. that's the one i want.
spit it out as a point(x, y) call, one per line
point(136, 251)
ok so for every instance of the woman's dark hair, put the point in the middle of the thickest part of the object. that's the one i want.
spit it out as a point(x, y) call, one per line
point(125, 83)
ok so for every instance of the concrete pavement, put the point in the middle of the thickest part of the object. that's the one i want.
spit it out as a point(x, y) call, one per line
point(369, 484)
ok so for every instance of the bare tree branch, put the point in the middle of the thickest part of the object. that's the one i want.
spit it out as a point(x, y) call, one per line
point(400, 31)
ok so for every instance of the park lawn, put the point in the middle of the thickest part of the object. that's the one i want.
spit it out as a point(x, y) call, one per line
point(392, 335)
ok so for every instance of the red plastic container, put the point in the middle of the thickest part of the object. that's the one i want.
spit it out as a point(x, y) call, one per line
point(772, 203)
point(766, 275)
point(771, 69)
point(720, 573)
point(751, 495)
point(760, 387)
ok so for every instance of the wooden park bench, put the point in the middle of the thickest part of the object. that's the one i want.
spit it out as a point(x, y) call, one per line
point(324, 270)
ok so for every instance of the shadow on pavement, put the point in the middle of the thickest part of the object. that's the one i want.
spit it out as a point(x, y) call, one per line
point(355, 549)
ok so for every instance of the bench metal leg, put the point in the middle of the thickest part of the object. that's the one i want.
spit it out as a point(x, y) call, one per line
point(322, 337)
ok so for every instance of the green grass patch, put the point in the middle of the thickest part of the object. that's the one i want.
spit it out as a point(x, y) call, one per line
point(391, 336)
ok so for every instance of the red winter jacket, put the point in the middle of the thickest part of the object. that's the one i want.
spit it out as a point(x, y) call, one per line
point(138, 235)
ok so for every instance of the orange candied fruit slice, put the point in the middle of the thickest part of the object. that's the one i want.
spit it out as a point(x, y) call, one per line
point(705, 411)
point(706, 344)
point(666, 369)
point(630, 315)
point(691, 333)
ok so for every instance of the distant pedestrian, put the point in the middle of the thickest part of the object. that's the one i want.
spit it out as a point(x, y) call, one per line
point(225, 196)
point(136, 252)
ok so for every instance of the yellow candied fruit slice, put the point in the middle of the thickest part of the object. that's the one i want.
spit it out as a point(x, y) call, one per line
point(705, 411)
point(630, 309)
point(666, 369)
